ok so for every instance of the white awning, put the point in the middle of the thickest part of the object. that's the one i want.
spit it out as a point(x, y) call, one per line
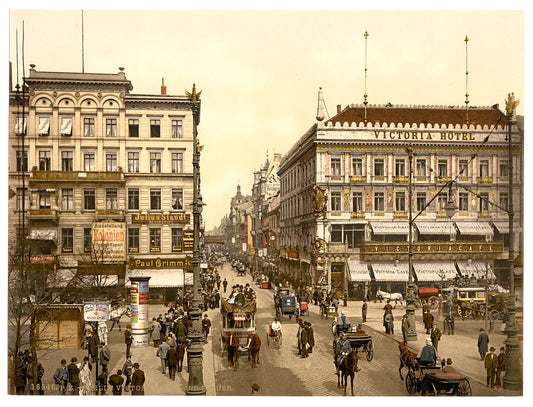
point(20, 125)
point(476, 268)
point(503, 227)
point(391, 271)
point(358, 270)
point(385, 228)
point(433, 270)
point(435, 228)
point(475, 228)
point(44, 125)
point(66, 126)
point(161, 278)
point(43, 234)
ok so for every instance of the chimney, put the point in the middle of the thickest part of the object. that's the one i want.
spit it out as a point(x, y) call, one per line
point(163, 87)
point(338, 109)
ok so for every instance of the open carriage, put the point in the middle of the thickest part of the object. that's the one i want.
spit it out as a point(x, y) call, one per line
point(432, 381)
point(237, 317)
point(359, 341)
point(274, 336)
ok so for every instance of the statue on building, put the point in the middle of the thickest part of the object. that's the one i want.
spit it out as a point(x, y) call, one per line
point(319, 199)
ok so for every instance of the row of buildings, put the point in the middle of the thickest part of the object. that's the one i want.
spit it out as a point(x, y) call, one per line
point(339, 217)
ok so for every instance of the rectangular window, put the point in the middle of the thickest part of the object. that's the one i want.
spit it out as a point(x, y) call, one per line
point(335, 201)
point(23, 196)
point(22, 160)
point(504, 200)
point(67, 199)
point(45, 163)
point(20, 125)
point(379, 201)
point(133, 240)
point(463, 168)
point(442, 168)
point(420, 201)
point(44, 126)
point(420, 167)
point(89, 127)
point(463, 201)
point(357, 166)
point(442, 200)
point(155, 128)
point(177, 239)
point(111, 161)
point(44, 199)
point(400, 201)
point(336, 233)
point(177, 129)
point(87, 240)
point(89, 199)
point(177, 163)
point(111, 127)
point(399, 167)
point(335, 166)
point(89, 162)
point(504, 168)
point(483, 202)
point(357, 202)
point(155, 163)
point(133, 198)
point(111, 198)
point(177, 198)
point(67, 160)
point(379, 167)
point(133, 161)
point(155, 240)
point(67, 240)
point(66, 126)
point(155, 199)
point(483, 168)
point(133, 127)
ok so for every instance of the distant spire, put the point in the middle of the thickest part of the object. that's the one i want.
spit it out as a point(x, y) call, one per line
point(320, 107)
point(466, 84)
point(365, 102)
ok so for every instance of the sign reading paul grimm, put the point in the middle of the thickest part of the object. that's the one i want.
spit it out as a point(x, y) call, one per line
point(158, 263)
point(108, 243)
point(161, 219)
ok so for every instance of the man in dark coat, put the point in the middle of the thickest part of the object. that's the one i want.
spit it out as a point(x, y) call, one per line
point(128, 339)
point(137, 381)
point(483, 343)
point(20, 374)
point(310, 336)
point(172, 362)
point(93, 346)
point(502, 360)
point(116, 380)
point(206, 325)
point(364, 310)
point(428, 321)
point(225, 284)
point(491, 364)
point(74, 376)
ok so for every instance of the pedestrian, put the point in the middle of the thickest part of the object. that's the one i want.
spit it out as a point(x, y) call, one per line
point(61, 377)
point(102, 333)
point(428, 321)
point(155, 332)
point(405, 327)
point(40, 373)
point(389, 321)
point(364, 309)
point(128, 339)
point(127, 369)
point(180, 330)
point(105, 356)
point(102, 381)
point(482, 343)
point(310, 336)
point(74, 376)
point(86, 381)
point(20, 374)
point(449, 324)
point(88, 333)
point(172, 363)
point(225, 284)
point(491, 364)
point(428, 354)
point(162, 353)
point(345, 299)
point(449, 303)
point(137, 381)
point(206, 325)
point(93, 346)
point(387, 307)
point(116, 380)
point(435, 336)
point(502, 360)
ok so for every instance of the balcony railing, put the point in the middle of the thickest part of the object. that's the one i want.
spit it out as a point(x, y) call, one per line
point(43, 214)
point(69, 176)
point(357, 179)
point(400, 179)
point(484, 180)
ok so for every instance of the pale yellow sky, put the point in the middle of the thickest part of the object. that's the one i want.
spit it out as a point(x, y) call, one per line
point(259, 71)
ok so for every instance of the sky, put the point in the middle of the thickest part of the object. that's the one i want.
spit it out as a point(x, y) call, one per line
point(260, 70)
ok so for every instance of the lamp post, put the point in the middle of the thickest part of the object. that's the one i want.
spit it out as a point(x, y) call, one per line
point(512, 379)
point(410, 297)
point(195, 386)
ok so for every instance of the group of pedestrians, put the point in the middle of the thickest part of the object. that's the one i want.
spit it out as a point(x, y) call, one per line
point(24, 374)
point(494, 364)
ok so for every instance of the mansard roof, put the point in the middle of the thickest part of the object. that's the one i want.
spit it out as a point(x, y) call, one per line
point(43, 77)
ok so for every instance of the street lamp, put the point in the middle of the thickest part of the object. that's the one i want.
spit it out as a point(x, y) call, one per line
point(195, 386)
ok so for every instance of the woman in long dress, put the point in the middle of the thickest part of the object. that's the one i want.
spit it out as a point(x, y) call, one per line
point(86, 383)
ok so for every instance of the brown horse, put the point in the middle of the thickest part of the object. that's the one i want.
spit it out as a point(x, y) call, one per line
point(253, 345)
point(181, 353)
point(407, 358)
point(347, 367)
point(232, 343)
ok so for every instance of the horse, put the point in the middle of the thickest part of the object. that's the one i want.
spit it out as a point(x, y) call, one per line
point(253, 345)
point(116, 313)
point(232, 343)
point(347, 367)
point(407, 358)
point(391, 297)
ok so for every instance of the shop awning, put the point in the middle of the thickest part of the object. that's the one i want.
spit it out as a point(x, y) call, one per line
point(358, 270)
point(161, 278)
point(68, 277)
point(385, 228)
point(390, 271)
point(475, 228)
point(475, 268)
point(503, 227)
point(43, 234)
point(435, 228)
point(433, 270)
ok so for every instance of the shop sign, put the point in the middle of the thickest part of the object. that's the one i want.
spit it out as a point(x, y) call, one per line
point(188, 240)
point(43, 259)
point(293, 255)
point(435, 248)
point(158, 263)
point(108, 242)
point(160, 219)
point(96, 311)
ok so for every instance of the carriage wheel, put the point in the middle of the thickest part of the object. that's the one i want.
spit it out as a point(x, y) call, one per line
point(268, 340)
point(370, 354)
point(464, 389)
point(494, 315)
point(428, 388)
point(434, 303)
point(410, 383)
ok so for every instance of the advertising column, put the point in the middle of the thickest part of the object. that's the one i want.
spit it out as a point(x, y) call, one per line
point(139, 311)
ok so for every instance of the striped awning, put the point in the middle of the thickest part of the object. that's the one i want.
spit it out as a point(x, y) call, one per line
point(386, 228)
point(476, 268)
point(358, 270)
point(503, 227)
point(475, 228)
point(433, 270)
point(161, 278)
point(390, 271)
point(435, 228)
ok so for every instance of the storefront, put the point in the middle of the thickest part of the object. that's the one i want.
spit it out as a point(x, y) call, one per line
point(358, 279)
point(164, 283)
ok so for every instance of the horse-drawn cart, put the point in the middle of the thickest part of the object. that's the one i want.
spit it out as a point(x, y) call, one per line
point(430, 295)
point(359, 341)
point(432, 381)
point(274, 336)
point(238, 318)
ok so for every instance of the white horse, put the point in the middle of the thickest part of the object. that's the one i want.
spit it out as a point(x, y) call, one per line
point(391, 297)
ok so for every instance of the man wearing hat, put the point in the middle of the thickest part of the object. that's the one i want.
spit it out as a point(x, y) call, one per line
point(206, 325)
point(343, 348)
point(137, 381)
point(502, 360)
point(448, 368)
point(74, 376)
point(491, 364)
point(428, 354)
point(180, 330)
point(343, 324)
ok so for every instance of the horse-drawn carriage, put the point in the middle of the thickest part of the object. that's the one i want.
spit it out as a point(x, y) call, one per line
point(239, 318)
point(359, 341)
point(274, 335)
point(286, 304)
point(433, 381)
point(430, 295)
